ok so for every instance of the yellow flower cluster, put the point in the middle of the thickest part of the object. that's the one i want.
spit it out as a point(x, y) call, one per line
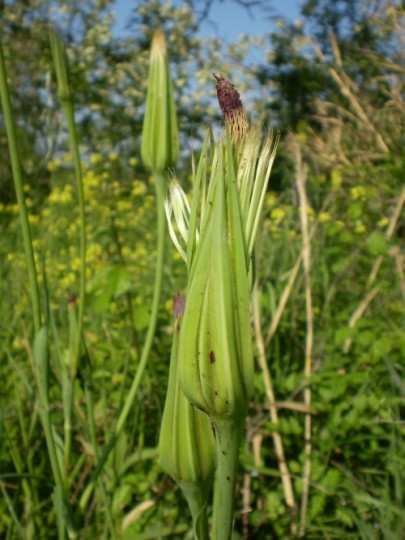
point(358, 192)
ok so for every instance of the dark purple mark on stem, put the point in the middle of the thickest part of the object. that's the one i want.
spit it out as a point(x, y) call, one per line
point(212, 357)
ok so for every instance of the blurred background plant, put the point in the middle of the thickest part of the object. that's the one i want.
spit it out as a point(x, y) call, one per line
point(332, 85)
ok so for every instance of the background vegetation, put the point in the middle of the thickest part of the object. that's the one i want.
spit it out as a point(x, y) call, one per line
point(328, 305)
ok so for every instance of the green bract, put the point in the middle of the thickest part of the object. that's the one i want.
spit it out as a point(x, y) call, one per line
point(160, 145)
point(186, 444)
point(215, 345)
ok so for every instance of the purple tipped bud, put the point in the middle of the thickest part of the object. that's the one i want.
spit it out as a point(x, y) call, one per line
point(231, 107)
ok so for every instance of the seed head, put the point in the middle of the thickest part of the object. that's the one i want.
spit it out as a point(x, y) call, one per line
point(231, 107)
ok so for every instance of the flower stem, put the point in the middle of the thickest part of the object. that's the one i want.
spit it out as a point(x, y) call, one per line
point(70, 120)
point(228, 436)
point(18, 183)
point(160, 185)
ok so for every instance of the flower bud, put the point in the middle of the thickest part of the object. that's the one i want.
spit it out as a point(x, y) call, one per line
point(215, 346)
point(160, 145)
point(186, 444)
point(61, 66)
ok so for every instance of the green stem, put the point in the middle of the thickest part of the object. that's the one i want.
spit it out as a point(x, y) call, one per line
point(160, 185)
point(228, 437)
point(67, 382)
point(68, 109)
point(18, 183)
point(197, 496)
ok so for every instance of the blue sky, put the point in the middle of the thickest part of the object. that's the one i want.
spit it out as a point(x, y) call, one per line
point(229, 20)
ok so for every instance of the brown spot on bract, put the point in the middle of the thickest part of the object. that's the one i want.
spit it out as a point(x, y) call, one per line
point(212, 357)
point(179, 305)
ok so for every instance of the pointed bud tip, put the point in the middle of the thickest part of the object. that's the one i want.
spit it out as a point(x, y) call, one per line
point(158, 46)
point(231, 106)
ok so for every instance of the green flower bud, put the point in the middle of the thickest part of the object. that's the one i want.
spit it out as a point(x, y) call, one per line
point(61, 66)
point(187, 444)
point(215, 348)
point(160, 144)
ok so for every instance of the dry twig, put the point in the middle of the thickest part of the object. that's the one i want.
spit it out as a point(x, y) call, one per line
point(301, 176)
point(278, 445)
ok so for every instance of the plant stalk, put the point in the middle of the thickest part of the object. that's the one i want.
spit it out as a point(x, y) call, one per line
point(160, 186)
point(69, 114)
point(228, 438)
point(18, 183)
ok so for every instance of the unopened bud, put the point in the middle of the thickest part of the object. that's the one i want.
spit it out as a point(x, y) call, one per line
point(160, 144)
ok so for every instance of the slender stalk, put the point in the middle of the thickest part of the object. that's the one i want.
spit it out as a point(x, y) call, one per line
point(228, 438)
point(67, 382)
point(66, 97)
point(159, 180)
point(18, 183)
point(301, 176)
point(69, 114)
point(160, 185)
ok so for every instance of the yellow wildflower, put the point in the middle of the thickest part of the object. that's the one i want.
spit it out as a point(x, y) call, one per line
point(96, 158)
point(324, 217)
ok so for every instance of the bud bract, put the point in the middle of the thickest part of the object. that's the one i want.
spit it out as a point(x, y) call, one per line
point(215, 348)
